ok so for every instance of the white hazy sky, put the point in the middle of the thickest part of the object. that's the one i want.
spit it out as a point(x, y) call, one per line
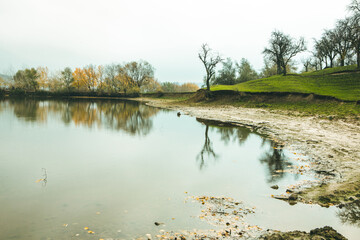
point(166, 33)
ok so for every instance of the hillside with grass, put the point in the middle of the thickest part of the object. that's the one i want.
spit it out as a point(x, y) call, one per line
point(340, 82)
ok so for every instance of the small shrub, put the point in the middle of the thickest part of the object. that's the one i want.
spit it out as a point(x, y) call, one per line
point(17, 92)
point(42, 93)
point(160, 93)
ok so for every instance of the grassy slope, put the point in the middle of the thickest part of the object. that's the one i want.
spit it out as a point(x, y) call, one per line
point(340, 82)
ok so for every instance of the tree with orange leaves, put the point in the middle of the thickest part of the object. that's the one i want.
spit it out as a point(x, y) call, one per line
point(91, 80)
point(125, 81)
point(189, 87)
point(100, 76)
point(43, 77)
point(79, 78)
point(151, 86)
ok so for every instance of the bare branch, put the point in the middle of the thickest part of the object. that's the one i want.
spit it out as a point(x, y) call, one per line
point(282, 49)
point(210, 61)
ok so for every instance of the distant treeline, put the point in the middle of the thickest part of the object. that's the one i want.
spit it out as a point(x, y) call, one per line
point(114, 79)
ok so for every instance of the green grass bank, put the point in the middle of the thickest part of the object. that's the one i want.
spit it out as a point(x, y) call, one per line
point(342, 83)
point(330, 93)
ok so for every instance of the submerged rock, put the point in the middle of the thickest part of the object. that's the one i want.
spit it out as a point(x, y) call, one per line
point(327, 232)
point(293, 197)
point(275, 187)
point(281, 197)
point(315, 234)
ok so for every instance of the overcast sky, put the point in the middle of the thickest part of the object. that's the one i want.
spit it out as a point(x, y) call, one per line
point(166, 33)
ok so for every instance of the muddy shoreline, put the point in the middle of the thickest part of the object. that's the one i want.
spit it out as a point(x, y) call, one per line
point(332, 146)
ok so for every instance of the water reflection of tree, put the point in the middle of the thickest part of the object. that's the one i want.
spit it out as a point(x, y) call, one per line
point(26, 110)
point(2, 104)
point(207, 152)
point(276, 162)
point(233, 134)
point(130, 117)
point(227, 133)
point(350, 213)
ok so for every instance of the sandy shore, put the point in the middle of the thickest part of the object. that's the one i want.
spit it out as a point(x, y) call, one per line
point(334, 145)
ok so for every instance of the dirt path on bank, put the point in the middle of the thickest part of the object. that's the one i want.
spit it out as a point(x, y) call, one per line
point(333, 145)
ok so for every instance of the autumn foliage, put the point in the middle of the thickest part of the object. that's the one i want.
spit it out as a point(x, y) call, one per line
point(129, 78)
point(175, 87)
point(108, 79)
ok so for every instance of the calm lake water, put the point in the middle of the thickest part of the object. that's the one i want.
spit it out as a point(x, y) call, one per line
point(117, 167)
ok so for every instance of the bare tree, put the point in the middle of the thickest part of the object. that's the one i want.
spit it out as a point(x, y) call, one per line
point(355, 29)
point(140, 72)
point(354, 7)
point(111, 73)
point(341, 37)
point(307, 63)
point(325, 47)
point(282, 49)
point(318, 57)
point(210, 61)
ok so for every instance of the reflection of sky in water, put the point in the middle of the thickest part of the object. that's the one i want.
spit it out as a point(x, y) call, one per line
point(132, 164)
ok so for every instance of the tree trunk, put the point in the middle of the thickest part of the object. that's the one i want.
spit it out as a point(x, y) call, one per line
point(283, 64)
point(342, 61)
point(318, 65)
point(357, 50)
point(278, 64)
point(208, 84)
